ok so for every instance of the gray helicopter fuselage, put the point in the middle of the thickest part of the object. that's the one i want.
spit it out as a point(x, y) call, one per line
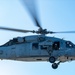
point(36, 48)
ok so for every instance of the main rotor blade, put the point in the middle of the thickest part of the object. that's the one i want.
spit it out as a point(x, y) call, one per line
point(16, 30)
point(31, 6)
point(61, 32)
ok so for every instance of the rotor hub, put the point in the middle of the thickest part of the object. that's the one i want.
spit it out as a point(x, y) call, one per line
point(42, 31)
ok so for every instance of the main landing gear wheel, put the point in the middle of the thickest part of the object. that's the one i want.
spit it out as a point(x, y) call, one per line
point(54, 65)
point(52, 59)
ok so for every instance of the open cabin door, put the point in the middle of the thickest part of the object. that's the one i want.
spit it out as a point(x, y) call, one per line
point(56, 45)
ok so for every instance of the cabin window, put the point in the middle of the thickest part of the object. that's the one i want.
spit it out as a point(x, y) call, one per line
point(44, 47)
point(69, 44)
point(56, 45)
point(35, 46)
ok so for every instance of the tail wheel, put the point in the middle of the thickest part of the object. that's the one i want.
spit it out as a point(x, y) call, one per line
point(54, 65)
point(52, 59)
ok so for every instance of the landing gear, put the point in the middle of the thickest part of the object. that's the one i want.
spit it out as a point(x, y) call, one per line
point(54, 65)
point(52, 59)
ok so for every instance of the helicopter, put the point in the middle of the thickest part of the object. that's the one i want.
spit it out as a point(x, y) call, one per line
point(37, 47)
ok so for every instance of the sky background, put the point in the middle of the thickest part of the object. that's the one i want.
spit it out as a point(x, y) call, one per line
point(54, 15)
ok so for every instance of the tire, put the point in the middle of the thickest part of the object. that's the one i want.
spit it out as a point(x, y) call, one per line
point(54, 65)
point(52, 59)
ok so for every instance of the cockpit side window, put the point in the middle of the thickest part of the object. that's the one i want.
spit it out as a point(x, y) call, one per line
point(13, 42)
point(69, 44)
